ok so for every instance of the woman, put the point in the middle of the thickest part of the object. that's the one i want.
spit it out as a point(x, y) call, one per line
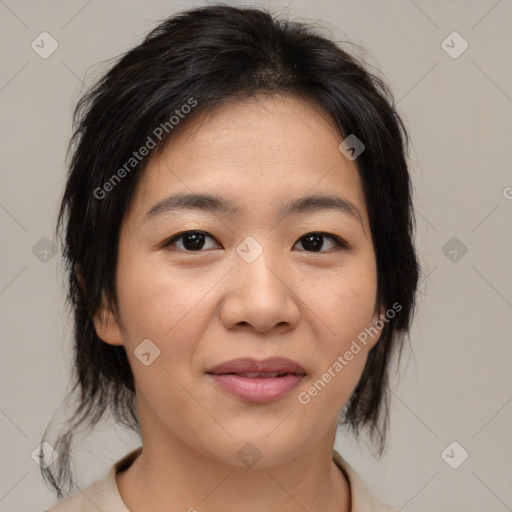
point(238, 236)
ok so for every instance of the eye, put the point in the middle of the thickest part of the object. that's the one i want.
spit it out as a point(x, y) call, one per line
point(315, 241)
point(192, 241)
point(195, 241)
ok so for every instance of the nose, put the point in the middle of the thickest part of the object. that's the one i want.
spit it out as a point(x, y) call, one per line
point(260, 295)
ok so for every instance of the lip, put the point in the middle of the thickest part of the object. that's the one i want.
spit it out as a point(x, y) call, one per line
point(258, 389)
point(249, 364)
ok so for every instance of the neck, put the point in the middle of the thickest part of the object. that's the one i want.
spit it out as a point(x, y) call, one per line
point(171, 476)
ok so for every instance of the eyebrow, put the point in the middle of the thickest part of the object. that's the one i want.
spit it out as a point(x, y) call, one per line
point(217, 204)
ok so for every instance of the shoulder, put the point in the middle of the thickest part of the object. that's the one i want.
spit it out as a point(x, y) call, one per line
point(102, 494)
point(87, 500)
point(362, 498)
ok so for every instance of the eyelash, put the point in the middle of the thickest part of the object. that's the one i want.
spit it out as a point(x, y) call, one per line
point(341, 244)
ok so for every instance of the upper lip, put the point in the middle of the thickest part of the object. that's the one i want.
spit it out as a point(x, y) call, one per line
point(249, 364)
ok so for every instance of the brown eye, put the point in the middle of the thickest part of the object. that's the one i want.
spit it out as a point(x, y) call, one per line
point(314, 242)
point(191, 241)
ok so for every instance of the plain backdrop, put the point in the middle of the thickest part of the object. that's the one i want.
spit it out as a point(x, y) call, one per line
point(455, 383)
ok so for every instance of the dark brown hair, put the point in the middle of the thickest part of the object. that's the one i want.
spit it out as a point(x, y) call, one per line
point(217, 54)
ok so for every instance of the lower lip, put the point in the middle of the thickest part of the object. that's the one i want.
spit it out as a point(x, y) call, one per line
point(257, 389)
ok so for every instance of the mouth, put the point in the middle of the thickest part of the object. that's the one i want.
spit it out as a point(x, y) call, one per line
point(258, 381)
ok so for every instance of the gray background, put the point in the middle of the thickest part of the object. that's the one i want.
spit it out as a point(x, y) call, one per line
point(455, 384)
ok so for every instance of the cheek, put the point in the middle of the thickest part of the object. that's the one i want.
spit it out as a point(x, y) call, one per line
point(170, 307)
point(165, 308)
point(352, 310)
point(156, 302)
point(345, 303)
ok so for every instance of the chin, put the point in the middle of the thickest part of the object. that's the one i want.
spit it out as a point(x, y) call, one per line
point(263, 447)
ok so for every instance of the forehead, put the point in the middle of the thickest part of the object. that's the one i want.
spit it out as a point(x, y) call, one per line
point(259, 151)
point(279, 121)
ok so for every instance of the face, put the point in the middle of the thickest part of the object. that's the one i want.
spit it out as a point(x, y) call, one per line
point(246, 276)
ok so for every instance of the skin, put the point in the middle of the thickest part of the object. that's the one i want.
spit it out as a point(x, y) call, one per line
point(205, 307)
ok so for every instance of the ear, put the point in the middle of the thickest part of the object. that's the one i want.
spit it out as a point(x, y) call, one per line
point(105, 321)
point(80, 277)
point(107, 325)
point(378, 323)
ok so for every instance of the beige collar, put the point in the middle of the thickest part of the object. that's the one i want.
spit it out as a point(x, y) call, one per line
point(104, 493)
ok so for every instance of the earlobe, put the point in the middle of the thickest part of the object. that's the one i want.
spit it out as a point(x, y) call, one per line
point(106, 324)
point(378, 315)
point(377, 326)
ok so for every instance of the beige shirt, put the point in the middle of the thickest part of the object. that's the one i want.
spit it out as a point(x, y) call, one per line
point(104, 494)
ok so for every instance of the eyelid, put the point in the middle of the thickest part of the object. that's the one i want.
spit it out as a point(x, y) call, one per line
point(340, 242)
point(168, 241)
